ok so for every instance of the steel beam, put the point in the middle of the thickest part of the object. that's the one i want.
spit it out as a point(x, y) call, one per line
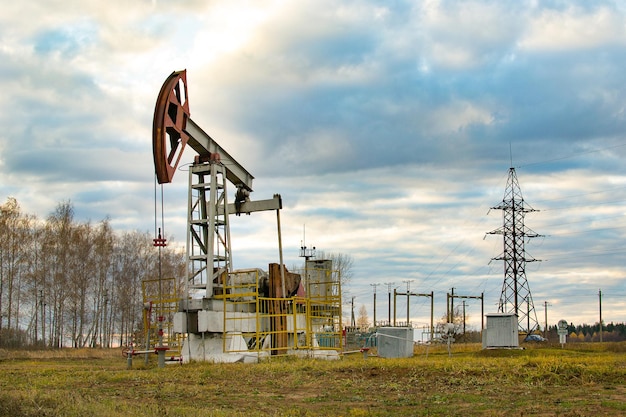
point(205, 146)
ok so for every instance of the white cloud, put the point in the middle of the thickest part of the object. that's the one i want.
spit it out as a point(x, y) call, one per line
point(574, 28)
point(459, 115)
point(469, 34)
point(386, 127)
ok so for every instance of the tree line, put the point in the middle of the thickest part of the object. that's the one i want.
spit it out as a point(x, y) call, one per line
point(69, 283)
point(611, 332)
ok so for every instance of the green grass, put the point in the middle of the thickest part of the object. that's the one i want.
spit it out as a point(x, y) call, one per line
point(579, 380)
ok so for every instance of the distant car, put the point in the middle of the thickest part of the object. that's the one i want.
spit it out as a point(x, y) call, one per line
point(535, 338)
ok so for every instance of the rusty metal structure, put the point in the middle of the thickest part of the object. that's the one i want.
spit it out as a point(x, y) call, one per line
point(228, 314)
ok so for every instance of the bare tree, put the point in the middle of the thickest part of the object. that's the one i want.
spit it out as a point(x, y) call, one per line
point(80, 280)
point(132, 256)
point(103, 285)
point(363, 321)
point(33, 291)
point(14, 230)
point(59, 233)
point(74, 282)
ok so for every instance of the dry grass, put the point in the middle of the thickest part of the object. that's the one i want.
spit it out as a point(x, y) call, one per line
point(46, 354)
point(580, 380)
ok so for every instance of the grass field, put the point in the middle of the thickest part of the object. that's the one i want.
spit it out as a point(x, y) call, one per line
point(579, 380)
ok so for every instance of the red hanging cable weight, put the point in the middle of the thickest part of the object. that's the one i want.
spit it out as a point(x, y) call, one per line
point(159, 241)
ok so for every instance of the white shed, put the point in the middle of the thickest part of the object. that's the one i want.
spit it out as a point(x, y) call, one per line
point(395, 342)
point(501, 331)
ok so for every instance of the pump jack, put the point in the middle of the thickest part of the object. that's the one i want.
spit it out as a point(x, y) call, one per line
point(208, 229)
point(204, 309)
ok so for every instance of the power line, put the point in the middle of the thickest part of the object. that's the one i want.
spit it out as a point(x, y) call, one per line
point(595, 219)
point(583, 254)
point(584, 205)
point(581, 195)
point(586, 231)
point(571, 156)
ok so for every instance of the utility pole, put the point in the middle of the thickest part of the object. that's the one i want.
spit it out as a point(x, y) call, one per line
point(528, 315)
point(36, 317)
point(43, 320)
point(600, 304)
point(463, 319)
point(43, 326)
point(482, 313)
point(374, 286)
point(545, 330)
point(389, 285)
point(451, 315)
point(353, 322)
point(450, 302)
point(432, 315)
point(408, 294)
point(394, 307)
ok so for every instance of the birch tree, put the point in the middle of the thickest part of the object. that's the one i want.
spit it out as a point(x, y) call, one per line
point(14, 230)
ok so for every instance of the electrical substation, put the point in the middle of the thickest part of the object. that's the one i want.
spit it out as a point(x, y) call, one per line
point(218, 313)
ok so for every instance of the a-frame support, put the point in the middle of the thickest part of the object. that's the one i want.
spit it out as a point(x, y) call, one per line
point(208, 236)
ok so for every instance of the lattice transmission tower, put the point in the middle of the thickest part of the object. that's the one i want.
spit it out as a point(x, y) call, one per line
point(516, 296)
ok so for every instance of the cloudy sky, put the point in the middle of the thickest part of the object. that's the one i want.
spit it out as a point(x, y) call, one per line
point(387, 127)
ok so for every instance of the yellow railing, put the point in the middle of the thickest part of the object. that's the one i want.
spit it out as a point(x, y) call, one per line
point(280, 326)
